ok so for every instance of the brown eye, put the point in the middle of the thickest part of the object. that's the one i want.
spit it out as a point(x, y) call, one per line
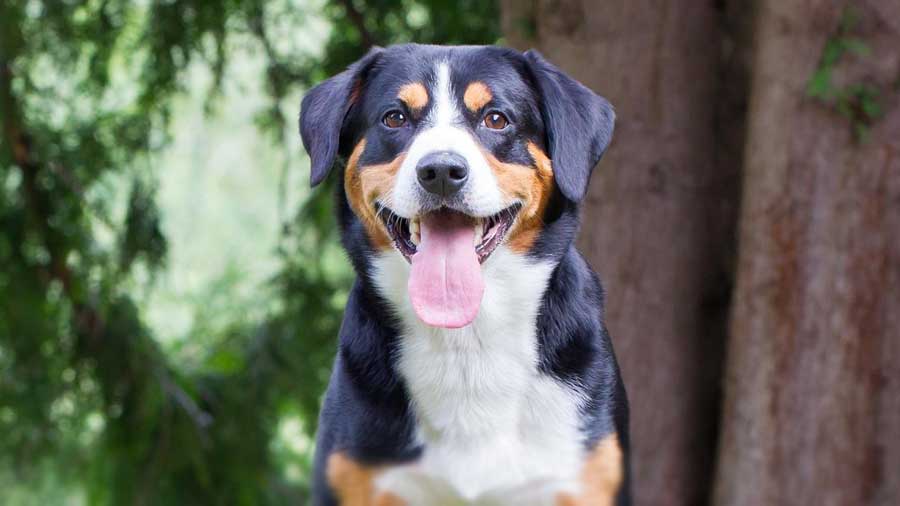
point(394, 119)
point(495, 121)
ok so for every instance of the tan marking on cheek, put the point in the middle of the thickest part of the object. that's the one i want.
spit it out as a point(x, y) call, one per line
point(533, 185)
point(601, 476)
point(389, 499)
point(354, 483)
point(566, 500)
point(364, 185)
point(477, 96)
point(414, 95)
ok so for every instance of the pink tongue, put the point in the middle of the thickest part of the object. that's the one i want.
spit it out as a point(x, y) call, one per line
point(445, 284)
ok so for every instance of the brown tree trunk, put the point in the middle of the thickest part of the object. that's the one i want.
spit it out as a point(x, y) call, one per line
point(812, 411)
point(658, 219)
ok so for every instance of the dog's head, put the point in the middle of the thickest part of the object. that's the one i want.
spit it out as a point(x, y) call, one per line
point(452, 153)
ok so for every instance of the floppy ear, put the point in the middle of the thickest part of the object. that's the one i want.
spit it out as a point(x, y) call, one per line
point(324, 111)
point(579, 125)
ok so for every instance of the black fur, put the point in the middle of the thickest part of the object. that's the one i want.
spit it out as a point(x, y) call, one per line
point(579, 125)
point(367, 411)
point(323, 112)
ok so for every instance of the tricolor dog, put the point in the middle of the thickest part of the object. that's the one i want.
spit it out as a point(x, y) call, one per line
point(474, 366)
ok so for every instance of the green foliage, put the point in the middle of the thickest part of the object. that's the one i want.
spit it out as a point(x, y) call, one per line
point(91, 405)
point(860, 103)
point(142, 237)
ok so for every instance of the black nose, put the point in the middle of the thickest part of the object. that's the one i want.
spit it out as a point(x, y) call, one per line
point(442, 173)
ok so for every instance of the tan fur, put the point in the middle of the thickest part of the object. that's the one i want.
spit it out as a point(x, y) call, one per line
point(601, 476)
point(477, 96)
point(354, 483)
point(388, 499)
point(414, 95)
point(533, 185)
point(364, 185)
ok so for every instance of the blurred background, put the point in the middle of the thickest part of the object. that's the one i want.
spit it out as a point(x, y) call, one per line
point(170, 290)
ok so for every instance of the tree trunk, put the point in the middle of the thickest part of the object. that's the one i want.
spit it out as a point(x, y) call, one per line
point(658, 221)
point(812, 413)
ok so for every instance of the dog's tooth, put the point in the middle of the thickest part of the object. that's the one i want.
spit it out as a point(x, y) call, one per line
point(479, 230)
point(415, 238)
point(414, 226)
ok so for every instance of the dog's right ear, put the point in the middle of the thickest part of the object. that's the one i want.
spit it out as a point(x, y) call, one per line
point(324, 111)
point(579, 125)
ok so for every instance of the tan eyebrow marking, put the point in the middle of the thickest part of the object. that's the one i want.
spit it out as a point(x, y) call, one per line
point(477, 96)
point(414, 95)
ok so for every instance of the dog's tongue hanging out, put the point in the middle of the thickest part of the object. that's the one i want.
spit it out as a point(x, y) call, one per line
point(445, 284)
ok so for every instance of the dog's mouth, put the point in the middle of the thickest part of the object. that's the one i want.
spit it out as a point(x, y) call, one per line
point(489, 232)
point(446, 249)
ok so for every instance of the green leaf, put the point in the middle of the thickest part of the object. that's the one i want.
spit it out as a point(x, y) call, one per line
point(820, 84)
point(856, 46)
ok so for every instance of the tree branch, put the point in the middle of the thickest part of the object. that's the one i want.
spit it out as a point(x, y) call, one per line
point(359, 23)
point(37, 205)
point(258, 26)
point(87, 317)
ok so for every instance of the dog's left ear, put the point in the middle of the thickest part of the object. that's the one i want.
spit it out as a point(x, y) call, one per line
point(579, 125)
point(324, 111)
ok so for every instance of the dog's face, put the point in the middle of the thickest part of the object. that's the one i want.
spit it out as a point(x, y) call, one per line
point(453, 152)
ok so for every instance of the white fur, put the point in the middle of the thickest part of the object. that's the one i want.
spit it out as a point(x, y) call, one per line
point(443, 131)
point(488, 419)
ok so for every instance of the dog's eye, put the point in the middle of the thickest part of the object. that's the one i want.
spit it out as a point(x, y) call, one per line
point(394, 119)
point(495, 121)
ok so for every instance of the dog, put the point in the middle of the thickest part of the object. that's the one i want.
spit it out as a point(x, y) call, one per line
point(474, 366)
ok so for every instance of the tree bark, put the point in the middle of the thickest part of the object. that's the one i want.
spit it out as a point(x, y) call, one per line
point(812, 413)
point(658, 221)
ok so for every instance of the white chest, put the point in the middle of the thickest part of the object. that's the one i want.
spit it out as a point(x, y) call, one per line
point(489, 421)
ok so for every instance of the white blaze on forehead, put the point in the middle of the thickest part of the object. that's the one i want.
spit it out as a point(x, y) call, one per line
point(444, 112)
point(445, 129)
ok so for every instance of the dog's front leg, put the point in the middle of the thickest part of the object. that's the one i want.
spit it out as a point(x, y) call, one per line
point(355, 484)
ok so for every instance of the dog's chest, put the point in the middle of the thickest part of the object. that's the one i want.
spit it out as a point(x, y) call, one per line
point(488, 420)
